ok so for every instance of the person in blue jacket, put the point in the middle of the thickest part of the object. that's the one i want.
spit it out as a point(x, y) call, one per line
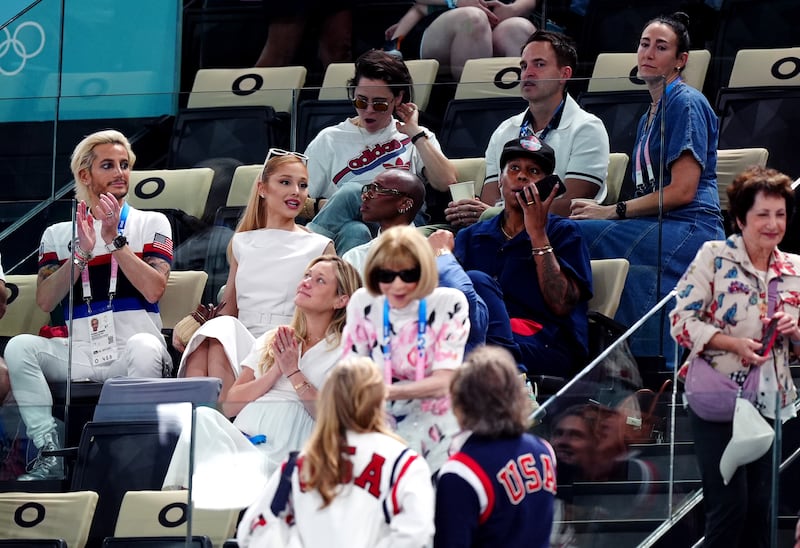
point(499, 488)
point(531, 267)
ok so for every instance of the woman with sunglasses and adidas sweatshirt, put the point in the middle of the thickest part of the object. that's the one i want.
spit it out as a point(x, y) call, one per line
point(384, 134)
point(415, 332)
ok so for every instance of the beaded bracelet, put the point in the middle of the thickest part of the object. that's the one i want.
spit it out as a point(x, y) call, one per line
point(542, 250)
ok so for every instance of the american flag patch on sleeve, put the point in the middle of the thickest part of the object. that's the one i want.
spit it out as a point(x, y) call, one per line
point(163, 244)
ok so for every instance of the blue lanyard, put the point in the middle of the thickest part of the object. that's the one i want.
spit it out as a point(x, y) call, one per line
point(526, 130)
point(386, 347)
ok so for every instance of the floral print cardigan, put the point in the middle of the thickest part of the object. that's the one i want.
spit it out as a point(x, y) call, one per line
point(722, 292)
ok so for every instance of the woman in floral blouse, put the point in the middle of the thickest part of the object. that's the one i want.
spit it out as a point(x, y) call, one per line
point(415, 332)
point(721, 315)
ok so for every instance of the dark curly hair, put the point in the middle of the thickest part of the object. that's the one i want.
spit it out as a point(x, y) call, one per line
point(379, 65)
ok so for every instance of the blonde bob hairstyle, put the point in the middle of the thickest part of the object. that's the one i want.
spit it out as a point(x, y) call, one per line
point(489, 394)
point(398, 247)
point(255, 213)
point(83, 156)
point(347, 281)
point(352, 398)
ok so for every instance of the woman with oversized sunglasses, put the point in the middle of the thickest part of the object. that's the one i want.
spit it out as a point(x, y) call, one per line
point(268, 246)
point(416, 332)
point(384, 134)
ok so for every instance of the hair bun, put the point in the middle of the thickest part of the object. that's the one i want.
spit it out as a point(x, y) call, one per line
point(681, 17)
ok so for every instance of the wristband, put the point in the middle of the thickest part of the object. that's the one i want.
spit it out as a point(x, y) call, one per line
point(295, 372)
point(539, 251)
point(418, 136)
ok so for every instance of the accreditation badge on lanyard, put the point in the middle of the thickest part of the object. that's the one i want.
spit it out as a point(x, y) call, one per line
point(643, 149)
point(102, 337)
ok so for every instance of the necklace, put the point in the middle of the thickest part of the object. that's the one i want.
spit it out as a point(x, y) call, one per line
point(506, 234)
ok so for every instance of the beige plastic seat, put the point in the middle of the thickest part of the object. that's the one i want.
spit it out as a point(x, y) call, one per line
point(242, 183)
point(471, 169)
point(617, 71)
point(163, 513)
point(183, 189)
point(247, 87)
point(423, 75)
point(489, 77)
point(66, 516)
point(22, 315)
point(183, 293)
point(761, 67)
point(731, 162)
point(608, 281)
point(617, 163)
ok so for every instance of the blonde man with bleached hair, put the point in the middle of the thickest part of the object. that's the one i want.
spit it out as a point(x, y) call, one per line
point(117, 261)
point(415, 331)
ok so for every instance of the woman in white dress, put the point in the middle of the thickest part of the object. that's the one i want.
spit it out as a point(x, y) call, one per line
point(268, 255)
point(274, 397)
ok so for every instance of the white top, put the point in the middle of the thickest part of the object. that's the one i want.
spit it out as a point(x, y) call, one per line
point(386, 477)
point(580, 142)
point(346, 152)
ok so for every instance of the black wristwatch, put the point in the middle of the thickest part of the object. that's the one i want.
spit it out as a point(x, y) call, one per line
point(117, 243)
point(622, 209)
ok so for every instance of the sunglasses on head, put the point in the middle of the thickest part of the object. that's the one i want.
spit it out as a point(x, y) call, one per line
point(273, 152)
point(409, 275)
point(378, 105)
point(372, 189)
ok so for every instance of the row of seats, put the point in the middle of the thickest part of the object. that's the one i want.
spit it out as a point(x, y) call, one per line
point(763, 84)
point(23, 315)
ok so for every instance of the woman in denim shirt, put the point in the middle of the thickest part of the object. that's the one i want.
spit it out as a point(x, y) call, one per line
point(691, 211)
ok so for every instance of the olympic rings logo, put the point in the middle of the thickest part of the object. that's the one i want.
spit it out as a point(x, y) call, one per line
point(13, 47)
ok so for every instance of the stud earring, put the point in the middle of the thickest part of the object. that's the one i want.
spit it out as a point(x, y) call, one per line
point(261, 196)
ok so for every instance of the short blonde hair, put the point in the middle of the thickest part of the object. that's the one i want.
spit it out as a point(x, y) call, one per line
point(83, 156)
point(402, 244)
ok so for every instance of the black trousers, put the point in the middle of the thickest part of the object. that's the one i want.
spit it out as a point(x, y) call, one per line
point(737, 514)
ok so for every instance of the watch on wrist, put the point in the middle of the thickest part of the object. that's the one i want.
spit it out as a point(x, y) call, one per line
point(622, 209)
point(117, 243)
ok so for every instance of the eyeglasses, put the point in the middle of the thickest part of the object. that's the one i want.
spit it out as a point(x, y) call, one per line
point(372, 189)
point(378, 105)
point(409, 276)
point(273, 152)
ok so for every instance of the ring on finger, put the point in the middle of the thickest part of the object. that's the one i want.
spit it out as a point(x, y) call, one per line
point(530, 203)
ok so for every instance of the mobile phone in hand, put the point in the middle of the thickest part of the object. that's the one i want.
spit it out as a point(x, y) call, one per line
point(768, 340)
point(545, 186)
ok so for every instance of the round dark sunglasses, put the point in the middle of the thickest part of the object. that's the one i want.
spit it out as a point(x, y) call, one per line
point(377, 105)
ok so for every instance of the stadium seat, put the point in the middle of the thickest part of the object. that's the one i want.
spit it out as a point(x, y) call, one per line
point(766, 112)
point(471, 169)
point(242, 184)
point(235, 113)
point(608, 281)
point(489, 78)
point(22, 315)
point(197, 541)
point(469, 123)
point(275, 87)
point(183, 293)
point(164, 513)
point(181, 189)
point(731, 162)
point(64, 516)
point(617, 166)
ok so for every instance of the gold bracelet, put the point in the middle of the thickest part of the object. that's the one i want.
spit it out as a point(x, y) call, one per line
point(542, 250)
point(304, 386)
